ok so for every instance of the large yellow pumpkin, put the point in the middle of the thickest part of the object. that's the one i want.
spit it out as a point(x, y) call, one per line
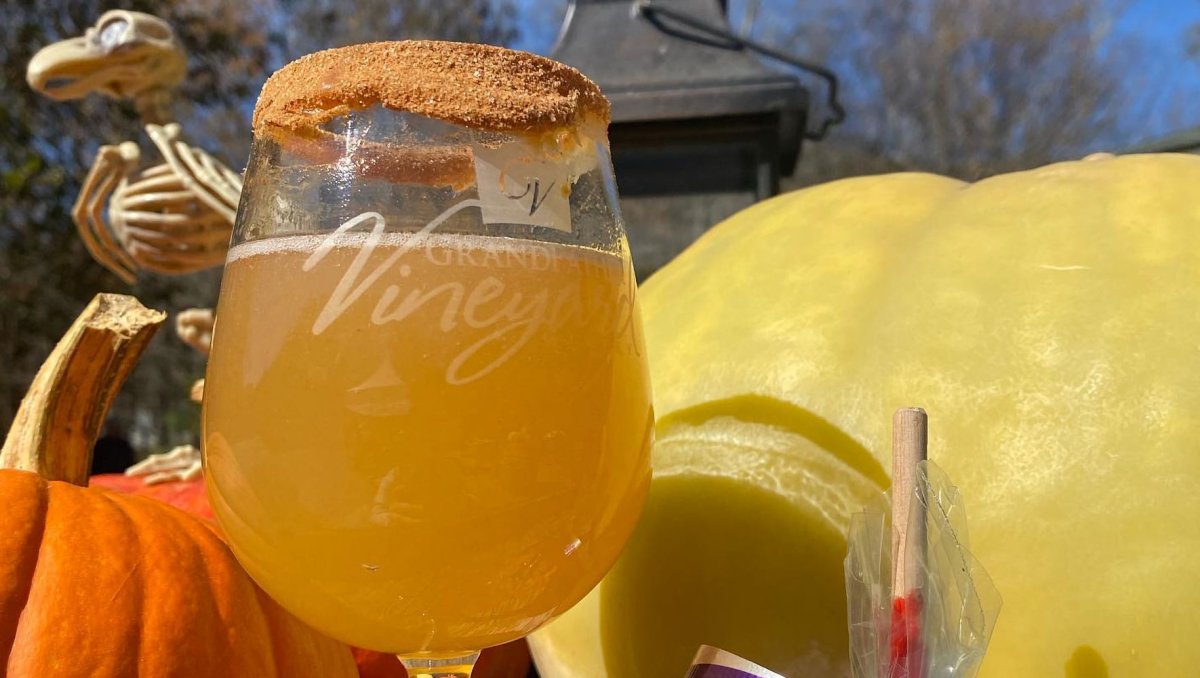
point(1049, 321)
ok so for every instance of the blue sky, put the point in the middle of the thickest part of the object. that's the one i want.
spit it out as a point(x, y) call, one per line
point(539, 23)
point(1164, 71)
point(1150, 36)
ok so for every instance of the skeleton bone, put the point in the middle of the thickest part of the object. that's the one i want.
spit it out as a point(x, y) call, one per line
point(194, 326)
point(109, 170)
point(213, 183)
point(197, 393)
point(125, 55)
point(180, 464)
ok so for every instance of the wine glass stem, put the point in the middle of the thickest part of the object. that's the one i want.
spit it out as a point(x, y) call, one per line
point(442, 667)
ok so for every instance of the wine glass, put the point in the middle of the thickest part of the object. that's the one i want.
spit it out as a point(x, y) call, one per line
point(427, 414)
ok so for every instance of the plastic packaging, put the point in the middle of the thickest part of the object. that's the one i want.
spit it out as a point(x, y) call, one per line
point(940, 630)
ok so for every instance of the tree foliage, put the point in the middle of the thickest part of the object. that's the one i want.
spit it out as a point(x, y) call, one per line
point(965, 88)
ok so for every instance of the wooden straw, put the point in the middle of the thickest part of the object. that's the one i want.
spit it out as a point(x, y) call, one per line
point(910, 436)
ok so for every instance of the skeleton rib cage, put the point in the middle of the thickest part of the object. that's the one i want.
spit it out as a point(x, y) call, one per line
point(172, 218)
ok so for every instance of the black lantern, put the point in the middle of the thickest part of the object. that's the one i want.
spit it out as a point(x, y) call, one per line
point(693, 110)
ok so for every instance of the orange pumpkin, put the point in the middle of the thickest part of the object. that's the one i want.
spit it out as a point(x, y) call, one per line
point(90, 579)
point(505, 661)
point(188, 495)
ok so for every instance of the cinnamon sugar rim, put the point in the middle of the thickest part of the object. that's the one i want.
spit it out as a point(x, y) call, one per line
point(478, 86)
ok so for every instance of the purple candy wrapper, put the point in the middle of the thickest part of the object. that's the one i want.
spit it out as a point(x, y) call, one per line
point(711, 662)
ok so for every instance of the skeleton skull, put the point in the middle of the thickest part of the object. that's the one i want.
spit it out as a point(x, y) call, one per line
point(124, 55)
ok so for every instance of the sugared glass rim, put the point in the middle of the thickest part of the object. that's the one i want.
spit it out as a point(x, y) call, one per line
point(482, 87)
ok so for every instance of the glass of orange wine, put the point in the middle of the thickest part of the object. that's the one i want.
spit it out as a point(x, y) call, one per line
point(427, 418)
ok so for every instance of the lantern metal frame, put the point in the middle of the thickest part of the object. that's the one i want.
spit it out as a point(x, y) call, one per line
point(694, 110)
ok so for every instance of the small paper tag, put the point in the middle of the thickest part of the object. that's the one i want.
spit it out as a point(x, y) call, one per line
point(519, 186)
point(711, 662)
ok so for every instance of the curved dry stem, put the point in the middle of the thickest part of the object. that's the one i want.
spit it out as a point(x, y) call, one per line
point(62, 413)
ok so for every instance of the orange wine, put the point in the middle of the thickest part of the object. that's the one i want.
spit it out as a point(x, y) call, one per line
point(426, 442)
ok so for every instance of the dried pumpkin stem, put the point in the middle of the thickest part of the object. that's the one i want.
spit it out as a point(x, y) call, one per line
point(61, 416)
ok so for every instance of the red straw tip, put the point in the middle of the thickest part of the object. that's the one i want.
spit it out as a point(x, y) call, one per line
point(906, 659)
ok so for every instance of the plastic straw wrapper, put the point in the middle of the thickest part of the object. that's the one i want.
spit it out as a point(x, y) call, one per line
point(942, 627)
point(711, 662)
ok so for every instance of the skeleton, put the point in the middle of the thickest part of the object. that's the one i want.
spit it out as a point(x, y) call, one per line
point(174, 217)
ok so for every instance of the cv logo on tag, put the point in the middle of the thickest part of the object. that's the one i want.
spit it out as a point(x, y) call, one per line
point(518, 186)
